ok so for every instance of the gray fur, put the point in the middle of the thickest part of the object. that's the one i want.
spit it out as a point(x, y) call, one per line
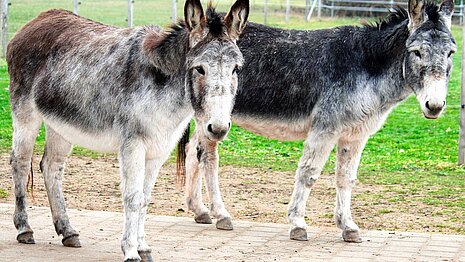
point(332, 86)
point(131, 91)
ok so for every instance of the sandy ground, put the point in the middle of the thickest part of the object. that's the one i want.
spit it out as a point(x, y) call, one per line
point(249, 194)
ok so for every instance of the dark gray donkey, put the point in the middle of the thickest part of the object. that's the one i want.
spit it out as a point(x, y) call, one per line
point(333, 86)
point(131, 91)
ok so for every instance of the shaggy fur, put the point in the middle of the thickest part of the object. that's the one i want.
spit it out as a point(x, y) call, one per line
point(331, 86)
point(131, 91)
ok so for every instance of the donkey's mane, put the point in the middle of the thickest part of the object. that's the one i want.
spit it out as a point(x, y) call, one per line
point(215, 24)
point(400, 14)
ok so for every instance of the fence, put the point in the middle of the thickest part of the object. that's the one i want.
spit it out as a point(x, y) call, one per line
point(15, 13)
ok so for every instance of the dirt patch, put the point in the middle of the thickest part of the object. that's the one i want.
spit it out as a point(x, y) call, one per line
point(249, 194)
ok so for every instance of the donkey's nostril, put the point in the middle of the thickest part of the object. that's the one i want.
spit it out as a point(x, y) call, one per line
point(209, 128)
point(229, 125)
point(427, 105)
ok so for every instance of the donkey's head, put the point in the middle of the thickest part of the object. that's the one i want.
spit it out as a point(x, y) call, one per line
point(212, 63)
point(430, 45)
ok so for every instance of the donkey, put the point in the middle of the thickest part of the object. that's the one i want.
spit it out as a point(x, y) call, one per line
point(331, 86)
point(131, 91)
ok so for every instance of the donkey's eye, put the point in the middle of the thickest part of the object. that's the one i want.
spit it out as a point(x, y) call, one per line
point(236, 68)
point(199, 70)
point(417, 53)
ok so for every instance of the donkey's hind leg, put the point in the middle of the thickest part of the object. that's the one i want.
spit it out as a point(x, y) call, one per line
point(194, 181)
point(317, 148)
point(348, 159)
point(26, 124)
point(52, 166)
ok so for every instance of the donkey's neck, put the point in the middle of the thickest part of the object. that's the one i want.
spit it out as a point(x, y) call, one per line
point(168, 52)
point(385, 59)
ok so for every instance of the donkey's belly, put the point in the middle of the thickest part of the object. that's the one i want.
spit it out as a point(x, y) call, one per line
point(275, 129)
point(104, 141)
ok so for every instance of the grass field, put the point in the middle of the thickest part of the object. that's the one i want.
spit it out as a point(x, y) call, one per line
point(419, 154)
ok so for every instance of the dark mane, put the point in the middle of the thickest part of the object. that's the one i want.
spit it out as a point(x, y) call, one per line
point(400, 14)
point(215, 22)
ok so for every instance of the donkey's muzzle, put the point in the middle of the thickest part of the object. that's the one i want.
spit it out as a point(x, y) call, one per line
point(217, 132)
point(434, 109)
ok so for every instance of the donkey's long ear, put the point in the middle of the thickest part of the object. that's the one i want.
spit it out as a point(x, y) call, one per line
point(447, 10)
point(194, 16)
point(416, 14)
point(236, 18)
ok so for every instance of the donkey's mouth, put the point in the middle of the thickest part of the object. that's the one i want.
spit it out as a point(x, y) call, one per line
point(431, 116)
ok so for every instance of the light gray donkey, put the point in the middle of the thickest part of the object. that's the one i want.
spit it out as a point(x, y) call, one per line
point(131, 91)
point(332, 86)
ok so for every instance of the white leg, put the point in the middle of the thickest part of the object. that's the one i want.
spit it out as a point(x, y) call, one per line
point(209, 168)
point(348, 159)
point(152, 168)
point(26, 127)
point(52, 165)
point(316, 151)
point(194, 181)
point(132, 166)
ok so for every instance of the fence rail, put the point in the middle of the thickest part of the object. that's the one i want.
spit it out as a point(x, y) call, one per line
point(137, 10)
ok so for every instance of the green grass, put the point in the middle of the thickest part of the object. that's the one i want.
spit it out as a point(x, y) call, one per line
point(411, 151)
point(3, 193)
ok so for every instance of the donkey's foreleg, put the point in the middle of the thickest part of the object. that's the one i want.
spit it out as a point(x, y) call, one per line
point(209, 168)
point(315, 153)
point(132, 168)
point(52, 165)
point(194, 181)
point(348, 159)
point(26, 127)
point(152, 168)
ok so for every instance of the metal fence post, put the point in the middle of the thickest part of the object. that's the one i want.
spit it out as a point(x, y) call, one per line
point(174, 10)
point(307, 9)
point(462, 106)
point(130, 12)
point(76, 4)
point(265, 12)
point(461, 12)
point(4, 21)
point(288, 9)
point(319, 10)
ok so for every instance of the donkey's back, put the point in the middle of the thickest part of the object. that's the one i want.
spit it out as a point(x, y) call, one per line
point(79, 47)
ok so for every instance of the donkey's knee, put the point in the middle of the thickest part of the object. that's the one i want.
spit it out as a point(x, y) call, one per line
point(134, 202)
point(307, 176)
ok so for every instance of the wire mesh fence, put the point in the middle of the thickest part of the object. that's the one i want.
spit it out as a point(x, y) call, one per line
point(16, 13)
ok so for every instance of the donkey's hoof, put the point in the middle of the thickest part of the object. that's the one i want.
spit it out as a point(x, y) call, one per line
point(132, 260)
point(26, 238)
point(203, 219)
point(224, 224)
point(299, 234)
point(351, 235)
point(71, 241)
point(145, 256)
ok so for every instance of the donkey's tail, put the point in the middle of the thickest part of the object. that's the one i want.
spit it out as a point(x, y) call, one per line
point(181, 157)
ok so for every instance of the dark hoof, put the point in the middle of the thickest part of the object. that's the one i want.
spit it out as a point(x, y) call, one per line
point(145, 256)
point(224, 224)
point(132, 260)
point(203, 219)
point(299, 234)
point(26, 238)
point(351, 235)
point(71, 241)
